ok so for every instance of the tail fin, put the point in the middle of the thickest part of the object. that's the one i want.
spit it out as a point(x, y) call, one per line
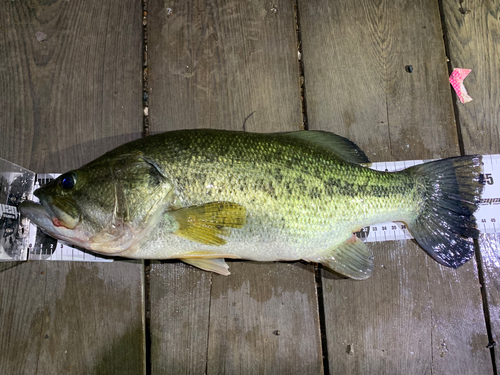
point(445, 225)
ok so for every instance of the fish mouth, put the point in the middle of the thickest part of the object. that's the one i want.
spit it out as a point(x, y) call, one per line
point(42, 217)
point(62, 218)
point(39, 216)
point(45, 218)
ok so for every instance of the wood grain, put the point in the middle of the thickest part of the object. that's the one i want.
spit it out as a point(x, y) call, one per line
point(473, 40)
point(63, 317)
point(180, 313)
point(76, 89)
point(262, 319)
point(489, 247)
point(345, 73)
point(63, 101)
point(211, 65)
point(381, 325)
point(355, 54)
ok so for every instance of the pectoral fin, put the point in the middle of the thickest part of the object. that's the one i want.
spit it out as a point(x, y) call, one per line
point(352, 259)
point(214, 265)
point(207, 223)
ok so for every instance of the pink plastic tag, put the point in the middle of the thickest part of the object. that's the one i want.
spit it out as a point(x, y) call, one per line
point(457, 81)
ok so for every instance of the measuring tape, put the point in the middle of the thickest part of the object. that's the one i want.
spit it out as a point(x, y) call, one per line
point(44, 247)
point(16, 184)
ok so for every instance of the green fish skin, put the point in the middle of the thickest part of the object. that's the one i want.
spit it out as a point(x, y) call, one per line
point(205, 195)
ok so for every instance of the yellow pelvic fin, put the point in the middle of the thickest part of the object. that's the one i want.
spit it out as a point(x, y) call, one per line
point(213, 265)
point(206, 223)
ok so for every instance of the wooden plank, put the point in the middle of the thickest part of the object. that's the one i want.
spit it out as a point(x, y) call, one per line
point(412, 316)
point(473, 44)
point(59, 317)
point(180, 309)
point(64, 100)
point(226, 60)
point(382, 325)
point(488, 244)
point(212, 64)
point(473, 34)
point(264, 320)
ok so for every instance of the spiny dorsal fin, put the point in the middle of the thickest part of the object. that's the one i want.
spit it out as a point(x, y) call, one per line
point(352, 259)
point(341, 146)
point(206, 223)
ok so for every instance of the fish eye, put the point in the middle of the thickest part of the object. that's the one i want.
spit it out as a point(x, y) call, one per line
point(67, 180)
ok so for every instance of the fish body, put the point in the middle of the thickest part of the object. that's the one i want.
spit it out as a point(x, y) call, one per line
point(205, 195)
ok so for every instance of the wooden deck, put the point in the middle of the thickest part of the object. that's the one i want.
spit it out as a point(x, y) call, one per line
point(282, 65)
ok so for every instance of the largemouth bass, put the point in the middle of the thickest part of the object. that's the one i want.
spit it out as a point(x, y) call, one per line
point(205, 195)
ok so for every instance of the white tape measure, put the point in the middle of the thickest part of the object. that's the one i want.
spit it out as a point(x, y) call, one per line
point(8, 211)
point(488, 215)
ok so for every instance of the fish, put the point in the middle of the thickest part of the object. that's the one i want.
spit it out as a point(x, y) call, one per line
point(205, 195)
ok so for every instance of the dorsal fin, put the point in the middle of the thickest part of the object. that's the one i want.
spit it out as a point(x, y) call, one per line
point(332, 142)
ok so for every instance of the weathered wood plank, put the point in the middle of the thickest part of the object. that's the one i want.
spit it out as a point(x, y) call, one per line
point(264, 320)
point(490, 250)
point(180, 309)
point(63, 101)
point(473, 39)
point(355, 54)
point(61, 317)
point(345, 74)
point(75, 88)
point(212, 64)
point(381, 325)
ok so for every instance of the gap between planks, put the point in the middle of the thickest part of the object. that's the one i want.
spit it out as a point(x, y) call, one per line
point(477, 251)
point(145, 133)
point(317, 268)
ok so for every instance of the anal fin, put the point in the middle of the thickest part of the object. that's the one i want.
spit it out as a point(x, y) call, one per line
point(352, 259)
point(214, 265)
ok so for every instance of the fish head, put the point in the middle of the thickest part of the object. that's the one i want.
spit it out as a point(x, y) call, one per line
point(105, 206)
point(67, 209)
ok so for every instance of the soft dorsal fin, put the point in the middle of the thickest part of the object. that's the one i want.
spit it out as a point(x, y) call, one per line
point(352, 259)
point(341, 146)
